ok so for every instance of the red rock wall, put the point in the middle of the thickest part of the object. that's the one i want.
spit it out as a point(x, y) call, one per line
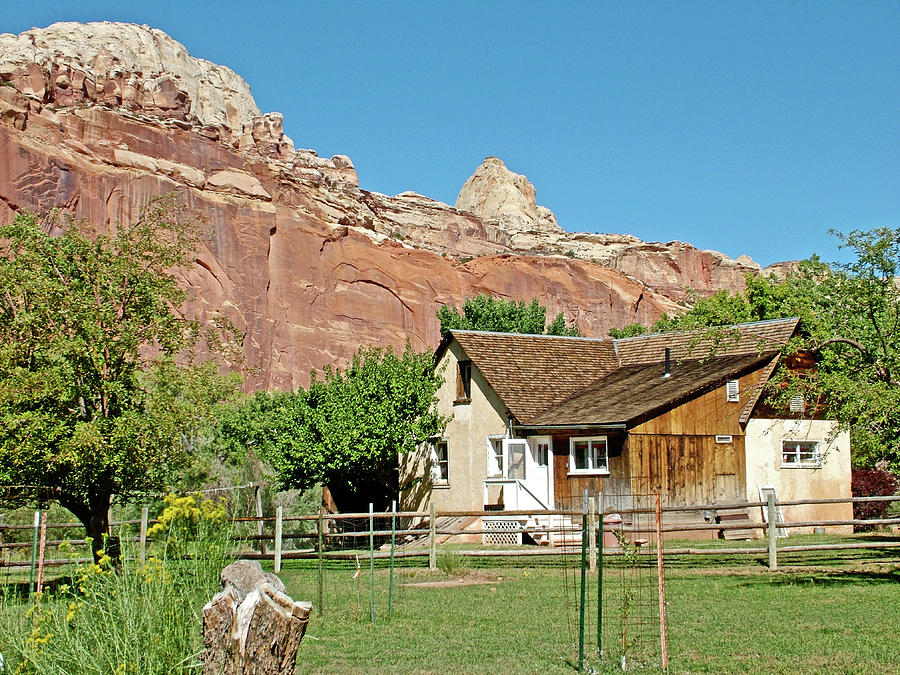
point(306, 290)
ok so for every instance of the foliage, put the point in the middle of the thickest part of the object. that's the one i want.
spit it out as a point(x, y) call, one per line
point(878, 482)
point(850, 319)
point(631, 330)
point(131, 619)
point(485, 312)
point(348, 428)
point(451, 563)
point(186, 519)
point(99, 393)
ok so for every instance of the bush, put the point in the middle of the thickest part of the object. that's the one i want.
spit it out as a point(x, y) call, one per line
point(129, 618)
point(872, 483)
point(452, 564)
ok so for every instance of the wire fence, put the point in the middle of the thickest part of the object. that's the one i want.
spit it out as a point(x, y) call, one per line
point(608, 550)
point(418, 535)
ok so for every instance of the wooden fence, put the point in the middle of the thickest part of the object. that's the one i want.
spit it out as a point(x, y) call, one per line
point(330, 537)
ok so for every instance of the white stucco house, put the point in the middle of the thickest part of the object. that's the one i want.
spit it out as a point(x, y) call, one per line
point(538, 419)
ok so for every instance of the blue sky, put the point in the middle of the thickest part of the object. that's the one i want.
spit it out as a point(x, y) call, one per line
point(747, 127)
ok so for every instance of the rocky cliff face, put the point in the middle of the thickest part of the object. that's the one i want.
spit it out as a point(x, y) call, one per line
point(97, 118)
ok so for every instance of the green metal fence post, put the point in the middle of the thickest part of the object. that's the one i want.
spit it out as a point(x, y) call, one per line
point(142, 535)
point(34, 550)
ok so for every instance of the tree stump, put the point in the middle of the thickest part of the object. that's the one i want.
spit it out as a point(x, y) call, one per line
point(251, 627)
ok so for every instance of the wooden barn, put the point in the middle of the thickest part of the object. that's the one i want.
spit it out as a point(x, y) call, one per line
point(537, 419)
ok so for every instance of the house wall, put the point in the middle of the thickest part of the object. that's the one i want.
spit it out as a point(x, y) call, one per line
point(569, 489)
point(678, 450)
point(471, 424)
point(830, 480)
point(688, 469)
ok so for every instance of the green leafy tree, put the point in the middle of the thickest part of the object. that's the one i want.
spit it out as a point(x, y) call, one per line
point(99, 397)
point(485, 312)
point(348, 429)
point(850, 315)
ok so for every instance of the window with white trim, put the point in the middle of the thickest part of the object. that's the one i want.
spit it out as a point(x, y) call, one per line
point(732, 391)
point(463, 382)
point(543, 453)
point(800, 454)
point(440, 461)
point(495, 456)
point(588, 454)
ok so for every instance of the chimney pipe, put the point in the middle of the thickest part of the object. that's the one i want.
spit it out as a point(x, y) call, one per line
point(668, 372)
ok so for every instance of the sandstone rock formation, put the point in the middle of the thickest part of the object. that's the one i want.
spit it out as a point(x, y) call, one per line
point(506, 200)
point(497, 195)
point(97, 118)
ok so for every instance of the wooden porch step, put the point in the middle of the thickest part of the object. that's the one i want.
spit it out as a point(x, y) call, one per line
point(735, 516)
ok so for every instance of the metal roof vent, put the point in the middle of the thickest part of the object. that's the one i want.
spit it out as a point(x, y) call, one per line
point(668, 372)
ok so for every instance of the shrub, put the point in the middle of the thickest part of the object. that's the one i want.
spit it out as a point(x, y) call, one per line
point(872, 483)
point(451, 564)
point(128, 619)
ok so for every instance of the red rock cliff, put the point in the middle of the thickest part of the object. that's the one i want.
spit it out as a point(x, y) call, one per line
point(97, 118)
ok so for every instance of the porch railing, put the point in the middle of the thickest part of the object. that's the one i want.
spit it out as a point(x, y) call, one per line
point(513, 498)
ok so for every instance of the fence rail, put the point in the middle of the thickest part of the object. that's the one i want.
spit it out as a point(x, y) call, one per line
point(329, 532)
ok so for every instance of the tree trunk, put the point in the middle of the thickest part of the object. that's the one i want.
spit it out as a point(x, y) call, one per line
point(94, 515)
point(251, 627)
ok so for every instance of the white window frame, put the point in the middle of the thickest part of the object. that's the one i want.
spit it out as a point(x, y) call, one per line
point(436, 461)
point(495, 465)
point(591, 456)
point(732, 391)
point(542, 457)
point(800, 463)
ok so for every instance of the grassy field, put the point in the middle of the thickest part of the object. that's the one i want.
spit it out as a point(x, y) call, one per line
point(823, 612)
point(745, 620)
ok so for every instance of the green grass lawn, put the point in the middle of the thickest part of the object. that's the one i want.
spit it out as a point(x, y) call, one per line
point(822, 612)
point(744, 620)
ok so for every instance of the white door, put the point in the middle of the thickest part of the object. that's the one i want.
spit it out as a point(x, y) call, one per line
point(540, 469)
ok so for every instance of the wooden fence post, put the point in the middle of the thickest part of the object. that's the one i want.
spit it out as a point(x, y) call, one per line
point(259, 522)
point(661, 587)
point(372, 559)
point(41, 550)
point(592, 539)
point(320, 531)
point(142, 537)
point(279, 523)
point(773, 553)
point(432, 542)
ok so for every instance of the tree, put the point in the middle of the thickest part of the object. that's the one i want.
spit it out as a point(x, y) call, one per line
point(850, 318)
point(99, 395)
point(485, 312)
point(348, 429)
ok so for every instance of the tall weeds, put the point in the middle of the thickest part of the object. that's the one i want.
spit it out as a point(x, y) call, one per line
point(129, 618)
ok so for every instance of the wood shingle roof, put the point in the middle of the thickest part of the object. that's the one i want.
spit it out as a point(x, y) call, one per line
point(551, 380)
point(531, 373)
point(742, 338)
point(633, 393)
